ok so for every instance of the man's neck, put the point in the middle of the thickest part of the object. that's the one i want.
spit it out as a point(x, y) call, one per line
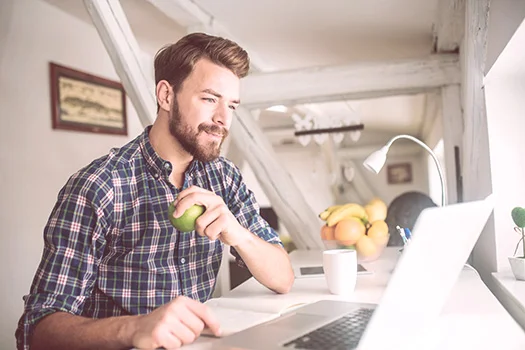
point(168, 148)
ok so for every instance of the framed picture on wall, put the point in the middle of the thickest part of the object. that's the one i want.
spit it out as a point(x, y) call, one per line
point(84, 102)
point(399, 173)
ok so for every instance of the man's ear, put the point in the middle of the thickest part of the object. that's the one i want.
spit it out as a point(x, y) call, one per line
point(164, 95)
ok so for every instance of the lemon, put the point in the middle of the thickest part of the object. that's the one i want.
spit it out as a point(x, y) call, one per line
point(186, 222)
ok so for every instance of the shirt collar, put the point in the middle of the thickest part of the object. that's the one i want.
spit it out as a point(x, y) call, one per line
point(156, 165)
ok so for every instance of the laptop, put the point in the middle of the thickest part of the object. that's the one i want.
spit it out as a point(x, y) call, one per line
point(424, 276)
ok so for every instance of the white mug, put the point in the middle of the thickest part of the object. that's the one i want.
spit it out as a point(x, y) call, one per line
point(340, 270)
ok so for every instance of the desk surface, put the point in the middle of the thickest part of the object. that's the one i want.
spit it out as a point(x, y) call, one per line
point(513, 294)
point(471, 319)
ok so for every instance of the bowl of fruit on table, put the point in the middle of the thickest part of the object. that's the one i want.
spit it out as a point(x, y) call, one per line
point(353, 226)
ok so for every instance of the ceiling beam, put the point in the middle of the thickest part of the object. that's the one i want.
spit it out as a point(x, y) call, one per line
point(351, 81)
point(450, 25)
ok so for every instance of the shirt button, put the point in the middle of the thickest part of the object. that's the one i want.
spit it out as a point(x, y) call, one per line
point(167, 166)
point(156, 175)
point(182, 260)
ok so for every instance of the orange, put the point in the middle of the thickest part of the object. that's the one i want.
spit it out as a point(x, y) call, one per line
point(327, 232)
point(378, 231)
point(366, 247)
point(348, 231)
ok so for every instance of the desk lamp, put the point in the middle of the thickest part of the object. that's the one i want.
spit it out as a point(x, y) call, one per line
point(376, 160)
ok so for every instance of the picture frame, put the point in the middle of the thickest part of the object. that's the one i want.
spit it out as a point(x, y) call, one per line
point(87, 103)
point(400, 173)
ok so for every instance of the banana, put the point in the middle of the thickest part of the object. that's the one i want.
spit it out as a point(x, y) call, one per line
point(350, 209)
point(325, 213)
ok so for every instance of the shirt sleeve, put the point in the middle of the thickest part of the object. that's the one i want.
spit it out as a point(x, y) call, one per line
point(73, 244)
point(243, 205)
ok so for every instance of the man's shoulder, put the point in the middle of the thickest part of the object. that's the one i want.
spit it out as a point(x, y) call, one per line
point(98, 175)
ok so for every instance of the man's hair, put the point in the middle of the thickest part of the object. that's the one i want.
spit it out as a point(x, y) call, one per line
point(175, 62)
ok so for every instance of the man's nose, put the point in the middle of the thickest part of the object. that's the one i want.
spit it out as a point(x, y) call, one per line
point(223, 115)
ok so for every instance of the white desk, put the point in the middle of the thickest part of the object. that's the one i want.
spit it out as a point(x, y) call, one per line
point(512, 294)
point(472, 318)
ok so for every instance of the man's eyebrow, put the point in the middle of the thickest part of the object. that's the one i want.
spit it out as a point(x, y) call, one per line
point(216, 94)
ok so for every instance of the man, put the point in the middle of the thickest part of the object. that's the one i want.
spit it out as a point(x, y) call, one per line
point(114, 273)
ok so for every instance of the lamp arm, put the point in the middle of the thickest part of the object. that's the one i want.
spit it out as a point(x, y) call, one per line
point(432, 154)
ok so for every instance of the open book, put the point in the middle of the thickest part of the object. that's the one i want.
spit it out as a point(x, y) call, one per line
point(236, 313)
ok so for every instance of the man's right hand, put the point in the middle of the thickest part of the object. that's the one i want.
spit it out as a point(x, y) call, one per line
point(172, 325)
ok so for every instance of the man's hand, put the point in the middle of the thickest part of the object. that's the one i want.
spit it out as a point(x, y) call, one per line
point(217, 222)
point(172, 325)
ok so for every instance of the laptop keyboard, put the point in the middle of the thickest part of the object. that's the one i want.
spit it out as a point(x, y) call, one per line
point(343, 333)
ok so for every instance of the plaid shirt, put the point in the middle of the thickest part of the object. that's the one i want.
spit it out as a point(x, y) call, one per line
point(110, 249)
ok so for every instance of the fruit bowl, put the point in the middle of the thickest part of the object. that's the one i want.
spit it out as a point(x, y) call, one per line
point(362, 256)
point(352, 226)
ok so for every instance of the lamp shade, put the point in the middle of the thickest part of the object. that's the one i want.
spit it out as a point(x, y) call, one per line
point(376, 160)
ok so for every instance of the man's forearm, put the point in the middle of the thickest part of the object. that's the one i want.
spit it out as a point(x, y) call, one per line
point(268, 263)
point(65, 331)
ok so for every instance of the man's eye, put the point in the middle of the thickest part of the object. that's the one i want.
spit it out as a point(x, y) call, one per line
point(233, 108)
point(209, 99)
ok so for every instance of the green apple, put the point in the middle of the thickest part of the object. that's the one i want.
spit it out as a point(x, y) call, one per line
point(185, 222)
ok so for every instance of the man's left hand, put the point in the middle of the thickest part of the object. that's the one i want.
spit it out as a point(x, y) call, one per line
point(217, 222)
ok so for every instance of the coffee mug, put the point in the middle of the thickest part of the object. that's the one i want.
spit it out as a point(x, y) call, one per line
point(340, 270)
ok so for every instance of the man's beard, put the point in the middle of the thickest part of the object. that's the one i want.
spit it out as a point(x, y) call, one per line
point(188, 139)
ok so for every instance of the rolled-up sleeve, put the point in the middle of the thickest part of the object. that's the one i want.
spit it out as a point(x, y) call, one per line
point(243, 205)
point(74, 240)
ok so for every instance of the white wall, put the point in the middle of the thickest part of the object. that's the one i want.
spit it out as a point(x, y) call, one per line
point(36, 160)
point(504, 18)
point(505, 91)
point(388, 192)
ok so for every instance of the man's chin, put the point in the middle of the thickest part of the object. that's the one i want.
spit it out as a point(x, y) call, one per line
point(208, 156)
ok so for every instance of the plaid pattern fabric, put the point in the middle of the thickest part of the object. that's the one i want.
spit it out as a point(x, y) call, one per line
point(110, 249)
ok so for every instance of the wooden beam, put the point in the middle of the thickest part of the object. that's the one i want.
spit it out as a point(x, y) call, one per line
point(348, 82)
point(476, 158)
point(114, 30)
point(452, 119)
point(449, 26)
point(286, 198)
